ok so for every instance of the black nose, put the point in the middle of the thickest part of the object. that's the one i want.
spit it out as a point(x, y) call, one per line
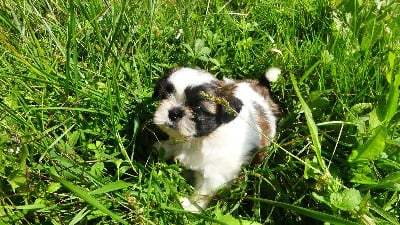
point(175, 114)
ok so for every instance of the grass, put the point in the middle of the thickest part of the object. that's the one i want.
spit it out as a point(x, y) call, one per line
point(76, 135)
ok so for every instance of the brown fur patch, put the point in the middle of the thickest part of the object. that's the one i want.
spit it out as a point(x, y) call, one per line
point(263, 91)
point(211, 106)
point(226, 90)
point(263, 124)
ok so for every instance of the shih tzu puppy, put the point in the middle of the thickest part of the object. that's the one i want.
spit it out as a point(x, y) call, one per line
point(214, 126)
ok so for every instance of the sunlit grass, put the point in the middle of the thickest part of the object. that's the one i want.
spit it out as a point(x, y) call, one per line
point(76, 136)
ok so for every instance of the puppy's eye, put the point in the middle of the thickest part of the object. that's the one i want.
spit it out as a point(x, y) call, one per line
point(197, 109)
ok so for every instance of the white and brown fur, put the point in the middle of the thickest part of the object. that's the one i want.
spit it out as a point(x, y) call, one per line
point(214, 126)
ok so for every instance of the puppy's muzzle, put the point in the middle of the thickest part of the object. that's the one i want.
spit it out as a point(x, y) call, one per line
point(176, 114)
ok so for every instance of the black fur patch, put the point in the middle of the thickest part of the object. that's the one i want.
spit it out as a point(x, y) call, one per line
point(195, 94)
point(163, 89)
point(208, 119)
point(228, 113)
point(203, 116)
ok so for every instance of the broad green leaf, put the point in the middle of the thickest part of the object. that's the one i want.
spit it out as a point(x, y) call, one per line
point(347, 200)
point(201, 50)
point(198, 215)
point(73, 138)
point(363, 174)
point(229, 219)
point(97, 169)
point(372, 148)
point(318, 101)
point(53, 187)
point(375, 118)
point(17, 179)
point(190, 50)
point(392, 181)
point(321, 198)
point(359, 108)
point(391, 58)
point(392, 99)
point(309, 172)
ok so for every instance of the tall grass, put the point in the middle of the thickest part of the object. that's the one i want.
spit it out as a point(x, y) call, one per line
point(76, 135)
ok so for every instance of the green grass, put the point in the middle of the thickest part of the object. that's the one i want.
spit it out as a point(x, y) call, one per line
point(76, 135)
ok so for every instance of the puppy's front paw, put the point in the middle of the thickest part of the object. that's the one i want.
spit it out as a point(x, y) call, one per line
point(189, 206)
point(195, 204)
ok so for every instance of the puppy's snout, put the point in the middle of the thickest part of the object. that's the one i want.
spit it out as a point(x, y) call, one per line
point(175, 114)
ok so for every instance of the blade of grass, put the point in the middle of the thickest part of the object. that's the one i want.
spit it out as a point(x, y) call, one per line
point(311, 126)
point(124, 152)
point(200, 216)
point(384, 214)
point(71, 109)
point(85, 196)
point(79, 216)
point(20, 57)
point(307, 212)
point(71, 44)
point(49, 30)
point(55, 142)
point(111, 187)
point(30, 207)
point(309, 71)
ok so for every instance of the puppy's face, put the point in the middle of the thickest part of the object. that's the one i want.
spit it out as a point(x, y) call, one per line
point(188, 106)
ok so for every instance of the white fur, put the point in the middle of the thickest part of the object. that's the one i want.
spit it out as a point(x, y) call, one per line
point(272, 74)
point(185, 77)
point(249, 96)
point(185, 128)
point(216, 158)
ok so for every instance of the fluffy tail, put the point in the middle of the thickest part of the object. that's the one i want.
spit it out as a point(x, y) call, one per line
point(271, 75)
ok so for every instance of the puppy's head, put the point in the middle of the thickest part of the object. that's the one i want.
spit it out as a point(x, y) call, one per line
point(193, 103)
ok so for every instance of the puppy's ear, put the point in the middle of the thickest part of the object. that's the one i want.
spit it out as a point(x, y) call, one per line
point(163, 88)
point(228, 112)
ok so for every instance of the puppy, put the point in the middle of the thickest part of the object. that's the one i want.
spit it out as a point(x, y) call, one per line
point(214, 126)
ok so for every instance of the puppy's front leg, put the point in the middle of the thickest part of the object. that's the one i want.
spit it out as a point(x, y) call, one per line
point(206, 185)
